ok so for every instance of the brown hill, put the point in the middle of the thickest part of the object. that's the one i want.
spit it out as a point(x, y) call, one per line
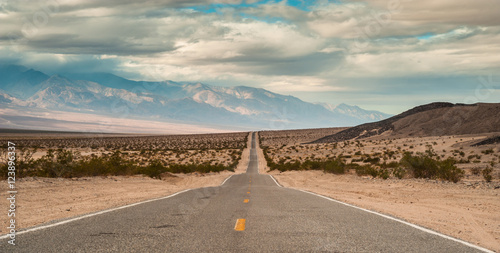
point(433, 119)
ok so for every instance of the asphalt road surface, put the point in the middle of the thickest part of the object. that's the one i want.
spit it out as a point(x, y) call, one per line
point(248, 213)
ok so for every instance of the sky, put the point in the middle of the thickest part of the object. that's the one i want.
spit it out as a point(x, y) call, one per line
point(387, 55)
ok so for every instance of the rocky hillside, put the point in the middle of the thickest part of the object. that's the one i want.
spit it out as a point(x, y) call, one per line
point(428, 120)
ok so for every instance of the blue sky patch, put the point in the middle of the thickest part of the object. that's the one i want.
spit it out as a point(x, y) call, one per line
point(426, 36)
point(216, 8)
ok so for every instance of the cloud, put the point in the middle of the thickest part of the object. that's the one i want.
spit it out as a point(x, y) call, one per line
point(64, 63)
point(288, 85)
point(457, 12)
point(399, 18)
point(463, 51)
point(320, 46)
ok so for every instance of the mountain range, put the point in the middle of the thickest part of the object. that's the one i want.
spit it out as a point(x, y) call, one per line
point(193, 103)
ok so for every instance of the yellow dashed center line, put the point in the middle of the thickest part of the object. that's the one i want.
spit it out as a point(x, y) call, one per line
point(240, 225)
point(248, 192)
point(246, 201)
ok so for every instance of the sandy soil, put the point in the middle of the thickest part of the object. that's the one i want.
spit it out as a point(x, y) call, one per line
point(453, 209)
point(458, 147)
point(286, 137)
point(40, 200)
point(245, 157)
point(468, 210)
point(261, 159)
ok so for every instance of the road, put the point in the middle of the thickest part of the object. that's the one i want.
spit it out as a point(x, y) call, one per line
point(276, 219)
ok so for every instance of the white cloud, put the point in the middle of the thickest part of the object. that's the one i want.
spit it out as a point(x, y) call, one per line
point(287, 84)
point(273, 45)
point(458, 12)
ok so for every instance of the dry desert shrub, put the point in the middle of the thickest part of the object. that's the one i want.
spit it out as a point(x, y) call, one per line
point(151, 156)
point(487, 174)
point(285, 137)
point(160, 142)
point(69, 164)
point(425, 166)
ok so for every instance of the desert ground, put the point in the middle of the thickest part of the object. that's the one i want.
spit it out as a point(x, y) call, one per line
point(467, 210)
point(42, 199)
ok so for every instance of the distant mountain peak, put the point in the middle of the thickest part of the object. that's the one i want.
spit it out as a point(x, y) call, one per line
point(19, 81)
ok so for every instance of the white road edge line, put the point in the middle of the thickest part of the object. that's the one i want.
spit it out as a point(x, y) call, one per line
point(277, 182)
point(226, 180)
point(401, 221)
point(92, 214)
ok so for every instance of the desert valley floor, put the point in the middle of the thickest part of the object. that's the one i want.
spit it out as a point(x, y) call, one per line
point(467, 209)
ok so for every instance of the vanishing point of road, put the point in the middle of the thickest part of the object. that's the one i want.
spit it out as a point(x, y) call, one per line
point(249, 212)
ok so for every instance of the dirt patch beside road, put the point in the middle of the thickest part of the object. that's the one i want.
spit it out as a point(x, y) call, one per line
point(40, 200)
point(458, 210)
